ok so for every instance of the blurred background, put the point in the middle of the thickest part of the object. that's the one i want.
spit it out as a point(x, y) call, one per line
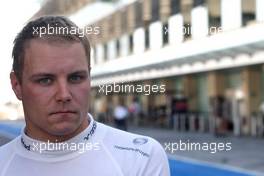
point(207, 54)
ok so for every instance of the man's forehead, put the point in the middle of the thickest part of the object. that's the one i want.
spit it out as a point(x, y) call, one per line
point(56, 41)
point(43, 56)
point(43, 47)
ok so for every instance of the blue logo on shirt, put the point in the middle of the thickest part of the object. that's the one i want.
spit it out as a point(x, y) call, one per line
point(140, 141)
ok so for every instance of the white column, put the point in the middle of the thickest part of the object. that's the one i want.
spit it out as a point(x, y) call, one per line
point(139, 40)
point(99, 53)
point(155, 35)
point(199, 22)
point(93, 57)
point(111, 50)
point(260, 10)
point(236, 117)
point(124, 45)
point(231, 14)
point(175, 24)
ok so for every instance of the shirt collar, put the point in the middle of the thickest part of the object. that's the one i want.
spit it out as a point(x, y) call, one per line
point(60, 148)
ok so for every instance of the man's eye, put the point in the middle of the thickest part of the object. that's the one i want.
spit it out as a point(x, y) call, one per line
point(45, 81)
point(76, 78)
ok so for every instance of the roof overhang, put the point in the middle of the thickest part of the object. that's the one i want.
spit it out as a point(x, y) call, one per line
point(234, 48)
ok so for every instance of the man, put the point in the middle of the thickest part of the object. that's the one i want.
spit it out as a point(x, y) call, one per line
point(51, 76)
point(120, 116)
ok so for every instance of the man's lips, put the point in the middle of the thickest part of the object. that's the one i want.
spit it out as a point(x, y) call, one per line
point(62, 112)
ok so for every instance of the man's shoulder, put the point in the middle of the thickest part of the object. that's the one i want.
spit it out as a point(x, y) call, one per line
point(6, 152)
point(142, 154)
point(8, 147)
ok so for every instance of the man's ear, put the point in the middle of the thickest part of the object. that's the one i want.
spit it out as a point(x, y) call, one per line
point(16, 86)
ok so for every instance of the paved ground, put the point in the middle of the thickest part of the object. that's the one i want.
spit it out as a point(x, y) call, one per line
point(3, 140)
point(246, 152)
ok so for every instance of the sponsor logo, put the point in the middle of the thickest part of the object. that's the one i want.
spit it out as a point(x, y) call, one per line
point(140, 141)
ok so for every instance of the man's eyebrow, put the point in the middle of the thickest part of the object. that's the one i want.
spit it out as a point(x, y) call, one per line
point(79, 72)
point(38, 75)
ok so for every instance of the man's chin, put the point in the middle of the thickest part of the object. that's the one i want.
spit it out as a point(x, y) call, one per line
point(67, 128)
point(64, 129)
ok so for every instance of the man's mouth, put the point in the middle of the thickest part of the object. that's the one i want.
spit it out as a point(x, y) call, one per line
point(63, 112)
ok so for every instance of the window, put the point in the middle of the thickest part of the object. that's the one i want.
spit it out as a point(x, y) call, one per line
point(105, 52)
point(131, 43)
point(138, 14)
point(214, 8)
point(155, 10)
point(248, 11)
point(186, 7)
point(187, 31)
point(165, 33)
point(175, 7)
point(146, 38)
point(117, 48)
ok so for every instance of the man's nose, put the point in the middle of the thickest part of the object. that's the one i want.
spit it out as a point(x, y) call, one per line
point(63, 92)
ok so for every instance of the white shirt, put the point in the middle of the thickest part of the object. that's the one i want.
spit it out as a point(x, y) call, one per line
point(107, 152)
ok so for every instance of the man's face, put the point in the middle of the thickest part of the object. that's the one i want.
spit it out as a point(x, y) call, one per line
point(54, 89)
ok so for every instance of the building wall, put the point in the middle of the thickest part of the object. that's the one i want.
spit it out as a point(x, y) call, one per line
point(139, 28)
